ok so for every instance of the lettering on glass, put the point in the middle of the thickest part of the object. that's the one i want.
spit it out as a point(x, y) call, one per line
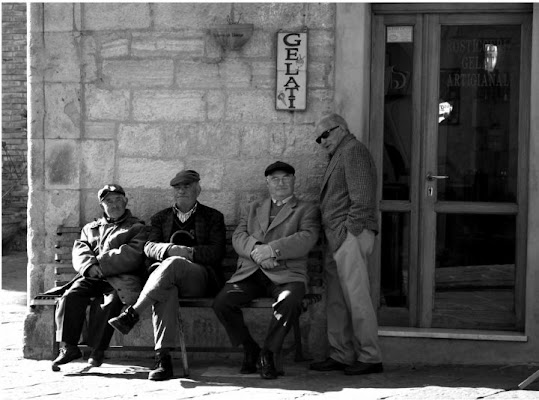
point(291, 91)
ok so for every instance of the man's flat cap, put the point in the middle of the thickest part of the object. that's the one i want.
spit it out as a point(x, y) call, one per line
point(185, 176)
point(279, 166)
point(110, 188)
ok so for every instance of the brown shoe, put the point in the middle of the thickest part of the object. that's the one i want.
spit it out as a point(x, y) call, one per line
point(360, 368)
point(329, 364)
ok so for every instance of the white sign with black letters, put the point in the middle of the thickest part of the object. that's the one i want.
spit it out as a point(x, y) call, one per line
point(291, 91)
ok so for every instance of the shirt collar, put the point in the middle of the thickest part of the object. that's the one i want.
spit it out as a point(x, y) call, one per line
point(281, 202)
point(184, 216)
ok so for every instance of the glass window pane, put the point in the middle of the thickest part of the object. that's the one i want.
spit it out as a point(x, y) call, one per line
point(395, 259)
point(478, 112)
point(475, 271)
point(397, 120)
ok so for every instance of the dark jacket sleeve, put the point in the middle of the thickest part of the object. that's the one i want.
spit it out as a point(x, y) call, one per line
point(213, 249)
point(129, 257)
point(156, 247)
point(83, 254)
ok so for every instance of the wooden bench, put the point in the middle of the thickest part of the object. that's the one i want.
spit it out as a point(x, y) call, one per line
point(64, 272)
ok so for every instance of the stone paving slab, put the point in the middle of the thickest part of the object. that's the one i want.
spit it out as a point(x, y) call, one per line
point(121, 379)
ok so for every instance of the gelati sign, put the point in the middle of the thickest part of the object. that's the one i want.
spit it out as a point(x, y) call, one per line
point(291, 91)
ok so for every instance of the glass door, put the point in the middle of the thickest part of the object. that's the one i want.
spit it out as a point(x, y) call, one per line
point(453, 169)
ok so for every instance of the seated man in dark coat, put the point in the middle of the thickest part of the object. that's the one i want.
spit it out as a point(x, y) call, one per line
point(109, 260)
point(273, 240)
point(187, 245)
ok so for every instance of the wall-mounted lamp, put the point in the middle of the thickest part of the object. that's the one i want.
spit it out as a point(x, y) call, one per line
point(233, 35)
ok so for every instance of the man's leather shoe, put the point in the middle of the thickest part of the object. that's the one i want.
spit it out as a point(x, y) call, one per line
point(68, 353)
point(360, 368)
point(124, 322)
point(267, 366)
point(329, 364)
point(250, 357)
point(96, 358)
point(162, 369)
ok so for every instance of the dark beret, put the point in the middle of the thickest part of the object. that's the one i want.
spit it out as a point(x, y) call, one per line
point(111, 188)
point(185, 176)
point(279, 166)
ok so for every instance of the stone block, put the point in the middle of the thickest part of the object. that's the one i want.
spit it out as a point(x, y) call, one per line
point(321, 15)
point(144, 203)
point(246, 174)
point(36, 163)
point(219, 140)
point(223, 200)
point(62, 208)
point(114, 47)
point(97, 164)
point(146, 173)
point(168, 105)
point(319, 102)
point(167, 44)
point(319, 75)
point(253, 106)
point(139, 140)
point(39, 334)
point(273, 16)
point(211, 171)
point(62, 106)
point(99, 130)
point(321, 45)
point(99, 103)
point(89, 203)
point(175, 16)
point(62, 164)
point(138, 73)
point(174, 140)
point(197, 75)
point(215, 100)
point(235, 74)
point(261, 45)
point(89, 59)
point(61, 57)
point(116, 16)
point(58, 17)
point(264, 74)
point(255, 139)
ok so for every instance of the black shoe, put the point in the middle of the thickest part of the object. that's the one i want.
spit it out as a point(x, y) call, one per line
point(360, 368)
point(267, 366)
point(124, 322)
point(96, 358)
point(250, 357)
point(329, 364)
point(162, 369)
point(68, 353)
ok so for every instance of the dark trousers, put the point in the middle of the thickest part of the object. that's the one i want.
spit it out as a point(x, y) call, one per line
point(286, 309)
point(71, 312)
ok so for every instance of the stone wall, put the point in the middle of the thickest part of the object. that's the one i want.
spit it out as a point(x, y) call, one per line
point(14, 142)
point(132, 93)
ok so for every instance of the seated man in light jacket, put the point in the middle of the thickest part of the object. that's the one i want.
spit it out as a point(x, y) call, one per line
point(273, 239)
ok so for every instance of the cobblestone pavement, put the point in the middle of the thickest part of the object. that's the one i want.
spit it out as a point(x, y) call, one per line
point(127, 378)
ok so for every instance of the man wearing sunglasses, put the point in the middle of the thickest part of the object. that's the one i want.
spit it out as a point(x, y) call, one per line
point(350, 222)
point(273, 239)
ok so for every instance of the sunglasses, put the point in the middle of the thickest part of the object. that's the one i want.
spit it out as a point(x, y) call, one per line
point(325, 134)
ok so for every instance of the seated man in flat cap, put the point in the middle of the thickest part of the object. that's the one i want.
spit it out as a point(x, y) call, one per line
point(186, 246)
point(109, 260)
point(273, 239)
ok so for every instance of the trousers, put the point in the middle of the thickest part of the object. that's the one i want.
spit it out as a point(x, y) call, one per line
point(71, 312)
point(175, 277)
point(286, 309)
point(352, 325)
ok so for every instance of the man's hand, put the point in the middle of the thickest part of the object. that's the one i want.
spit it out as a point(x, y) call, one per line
point(179, 251)
point(269, 263)
point(93, 272)
point(261, 252)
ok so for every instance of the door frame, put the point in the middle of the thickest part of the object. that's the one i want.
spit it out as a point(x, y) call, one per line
point(421, 288)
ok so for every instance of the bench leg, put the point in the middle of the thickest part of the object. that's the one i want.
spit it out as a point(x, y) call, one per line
point(182, 346)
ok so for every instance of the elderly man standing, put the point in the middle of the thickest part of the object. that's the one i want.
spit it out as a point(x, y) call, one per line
point(273, 239)
point(349, 218)
point(187, 246)
point(109, 260)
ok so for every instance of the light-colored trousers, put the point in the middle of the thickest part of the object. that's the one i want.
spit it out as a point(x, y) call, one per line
point(176, 277)
point(351, 319)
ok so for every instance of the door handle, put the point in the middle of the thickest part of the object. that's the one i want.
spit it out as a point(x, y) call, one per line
point(431, 177)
